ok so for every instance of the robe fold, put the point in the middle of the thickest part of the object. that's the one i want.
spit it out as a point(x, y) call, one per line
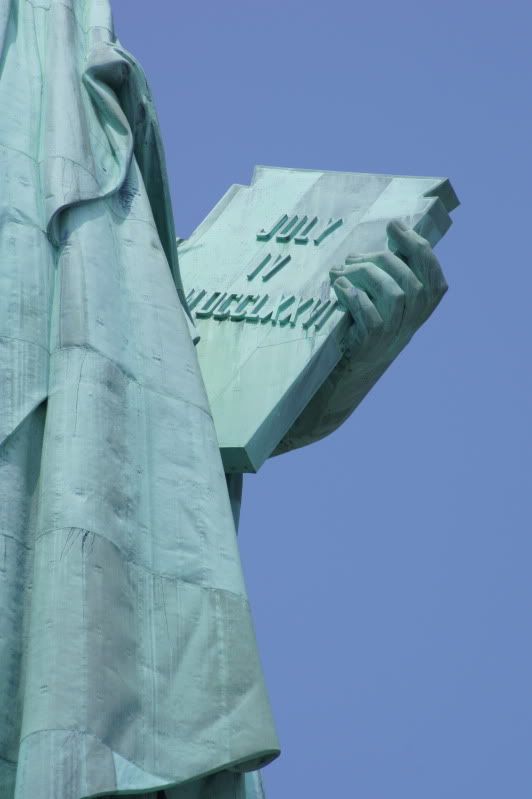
point(128, 662)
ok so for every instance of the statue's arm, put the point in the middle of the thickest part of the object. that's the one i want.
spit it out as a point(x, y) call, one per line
point(389, 295)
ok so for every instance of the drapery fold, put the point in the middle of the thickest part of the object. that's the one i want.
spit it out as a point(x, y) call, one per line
point(128, 661)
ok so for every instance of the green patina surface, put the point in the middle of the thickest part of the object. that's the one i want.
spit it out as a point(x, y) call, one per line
point(257, 278)
point(128, 662)
point(127, 656)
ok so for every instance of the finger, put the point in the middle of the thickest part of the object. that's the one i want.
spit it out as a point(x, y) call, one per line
point(398, 270)
point(382, 290)
point(405, 239)
point(367, 321)
point(419, 256)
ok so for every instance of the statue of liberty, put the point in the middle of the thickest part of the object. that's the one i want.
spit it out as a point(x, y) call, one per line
point(128, 663)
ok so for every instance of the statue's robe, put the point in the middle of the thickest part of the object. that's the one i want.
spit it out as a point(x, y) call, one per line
point(128, 661)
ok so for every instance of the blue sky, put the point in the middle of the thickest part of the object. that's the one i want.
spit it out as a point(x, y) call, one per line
point(389, 567)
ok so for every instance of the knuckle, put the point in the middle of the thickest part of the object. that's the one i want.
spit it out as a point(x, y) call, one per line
point(397, 309)
point(396, 294)
point(376, 325)
point(416, 290)
point(443, 287)
point(438, 283)
point(398, 312)
point(388, 259)
point(364, 271)
point(424, 250)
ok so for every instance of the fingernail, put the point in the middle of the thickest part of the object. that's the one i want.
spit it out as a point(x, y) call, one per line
point(343, 283)
point(398, 223)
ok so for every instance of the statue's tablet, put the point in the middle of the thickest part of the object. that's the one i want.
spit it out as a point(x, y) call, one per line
point(256, 275)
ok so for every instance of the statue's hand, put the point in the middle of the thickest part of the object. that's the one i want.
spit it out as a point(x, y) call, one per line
point(389, 295)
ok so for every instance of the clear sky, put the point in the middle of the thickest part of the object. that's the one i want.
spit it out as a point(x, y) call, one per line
point(389, 567)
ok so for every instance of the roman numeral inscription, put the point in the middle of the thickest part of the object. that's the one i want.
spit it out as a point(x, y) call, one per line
point(257, 308)
point(266, 235)
point(330, 227)
point(302, 236)
point(299, 228)
point(261, 308)
point(274, 266)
